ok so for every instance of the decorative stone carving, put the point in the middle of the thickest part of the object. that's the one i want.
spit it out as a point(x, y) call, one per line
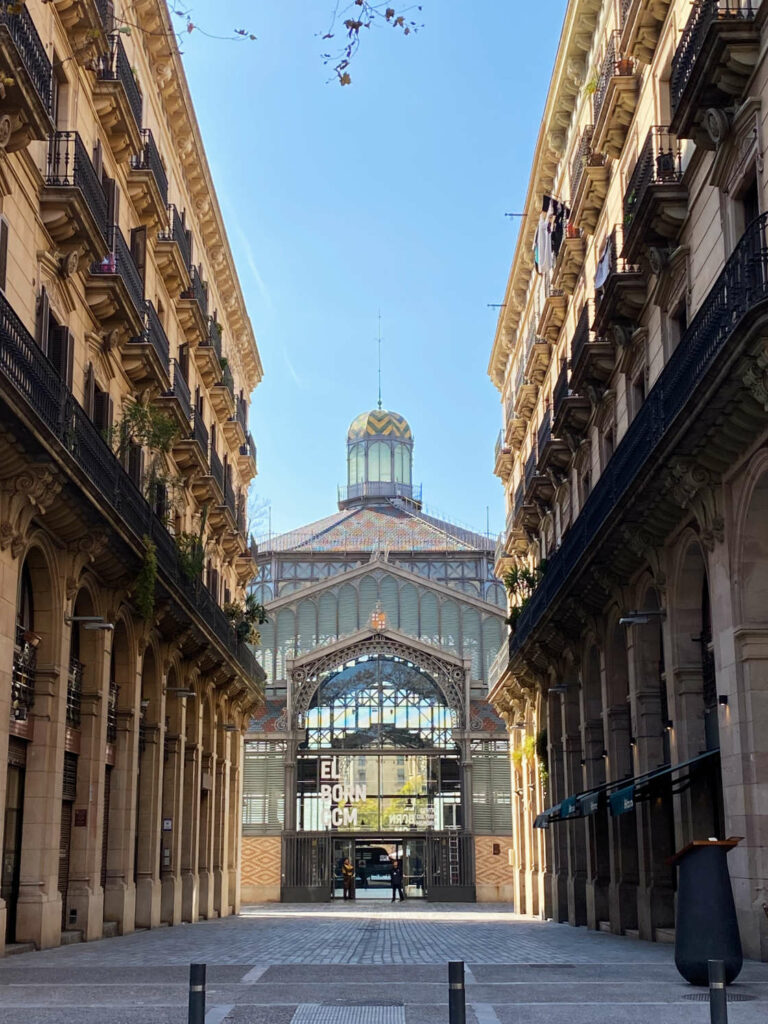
point(755, 378)
point(30, 492)
point(694, 487)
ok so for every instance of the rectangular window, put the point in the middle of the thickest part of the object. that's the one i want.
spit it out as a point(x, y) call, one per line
point(3, 252)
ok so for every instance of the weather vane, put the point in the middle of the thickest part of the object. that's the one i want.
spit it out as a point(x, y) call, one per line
point(379, 358)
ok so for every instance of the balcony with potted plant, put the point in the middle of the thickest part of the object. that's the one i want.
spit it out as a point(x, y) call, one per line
point(656, 199)
point(173, 252)
point(73, 203)
point(615, 99)
point(118, 100)
point(115, 289)
point(711, 67)
point(27, 78)
point(148, 183)
point(641, 22)
point(589, 183)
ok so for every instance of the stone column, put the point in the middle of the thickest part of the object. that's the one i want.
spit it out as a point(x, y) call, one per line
point(221, 833)
point(207, 814)
point(558, 844)
point(120, 891)
point(235, 820)
point(148, 887)
point(575, 831)
point(173, 813)
point(190, 841)
point(622, 830)
point(85, 910)
point(9, 579)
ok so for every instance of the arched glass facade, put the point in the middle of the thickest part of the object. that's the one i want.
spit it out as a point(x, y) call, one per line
point(402, 464)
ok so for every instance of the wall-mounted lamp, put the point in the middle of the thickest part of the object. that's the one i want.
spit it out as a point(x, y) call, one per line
point(89, 621)
point(642, 618)
point(604, 754)
point(229, 727)
point(180, 691)
point(582, 762)
point(31, 638)
point(519, 724)
point(559, 688)
point(633, 741)
point(722, 700)
point(669, 725)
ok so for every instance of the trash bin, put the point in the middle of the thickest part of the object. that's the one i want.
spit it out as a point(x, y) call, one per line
point(706, 927)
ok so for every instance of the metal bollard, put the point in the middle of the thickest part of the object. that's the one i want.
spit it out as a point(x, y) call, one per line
point(718, 1005)
point(196, 994)
point(457, 1007)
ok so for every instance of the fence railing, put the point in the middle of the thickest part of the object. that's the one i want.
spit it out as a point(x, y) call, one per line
point(154, 335)
point(69, 166)
point(29, 45)
point(149, 160)
point(176, 232)
point(120, 261)
point(74, 692)
point(658, 162)
point(198, 291)
point(115, 67)
point(23, 676)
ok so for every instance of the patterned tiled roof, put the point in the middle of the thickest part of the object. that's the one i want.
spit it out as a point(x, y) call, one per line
point(379, 423)
point(484, 719)
point(388, 526)
point(270, 718)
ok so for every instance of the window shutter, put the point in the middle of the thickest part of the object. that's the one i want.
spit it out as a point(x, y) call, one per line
point(3, 253)
point(90, 392)
point(136, 464)
point(113, 200)
point(61, 352)
point(43, 317)
point(102, 410)
point(139, 250)
point(98, 163)
point(263, 789)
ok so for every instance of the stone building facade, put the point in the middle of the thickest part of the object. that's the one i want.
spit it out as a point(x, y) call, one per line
point(126, 364)
point(631, 359)
point(383, 623)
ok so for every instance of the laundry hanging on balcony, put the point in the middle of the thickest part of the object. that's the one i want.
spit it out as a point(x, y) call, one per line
point(549, 234)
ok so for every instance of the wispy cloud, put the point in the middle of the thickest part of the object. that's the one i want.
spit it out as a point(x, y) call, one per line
point(250, 260)
point(297, 380)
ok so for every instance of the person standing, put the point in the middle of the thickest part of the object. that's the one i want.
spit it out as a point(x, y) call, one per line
point(396, 880)
point(348, 878)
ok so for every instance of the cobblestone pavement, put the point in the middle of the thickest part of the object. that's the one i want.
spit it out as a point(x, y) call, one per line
point(366, 964)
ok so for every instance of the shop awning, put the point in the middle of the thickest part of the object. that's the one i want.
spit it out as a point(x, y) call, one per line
point(621, 795)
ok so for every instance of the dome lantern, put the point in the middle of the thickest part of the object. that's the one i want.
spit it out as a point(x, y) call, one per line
point(379, 459)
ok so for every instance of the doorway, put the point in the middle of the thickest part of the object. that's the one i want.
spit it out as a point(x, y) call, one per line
point(9, 878)
point(373, 859)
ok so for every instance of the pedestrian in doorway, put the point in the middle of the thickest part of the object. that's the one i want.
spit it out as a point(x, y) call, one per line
point(348, 877)
point(396, 881)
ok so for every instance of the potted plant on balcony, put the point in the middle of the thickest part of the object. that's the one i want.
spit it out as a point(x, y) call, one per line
point(245, 618)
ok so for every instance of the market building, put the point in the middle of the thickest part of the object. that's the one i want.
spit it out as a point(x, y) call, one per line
point(631, 359)
point(376, 740)
point(127, 361)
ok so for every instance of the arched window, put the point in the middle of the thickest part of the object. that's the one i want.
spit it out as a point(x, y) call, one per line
point(26, 614)
point(356, 464)
point(380, 462)
point(402, 465)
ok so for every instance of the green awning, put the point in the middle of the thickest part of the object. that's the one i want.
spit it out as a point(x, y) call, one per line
point(569, 808)
point(622, 800)
point(589, 803)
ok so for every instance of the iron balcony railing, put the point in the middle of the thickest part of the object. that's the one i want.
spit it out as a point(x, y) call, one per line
point(149, 160)
point(520, 375)
point(23, 676)
point(545, 431)
point(560, 390)
point(499, 445)
point(242, 525)
point(741, 286)
point(229, 495)
point(519, 496)
point(65, 426)
point(625, 6)
point(217, 469)
point(198, 291)
point(613, 66)
point(180, 388)
point(154, 335)
point(177, 232)
point(214, 336)
point(119, 261)
point(200, 432)
point(611, 260)
point(530, 467)
point(115, 67)
point(227, 380)
point(114, 693)
point(581, 158)
point(69, 166)
point(580, 335)
point(106, 9)
point(74, 693)
point(249, 448)
point(658, 163)
point(377, 489)
point(241, 413)
point(17, 20)
point(703, 15)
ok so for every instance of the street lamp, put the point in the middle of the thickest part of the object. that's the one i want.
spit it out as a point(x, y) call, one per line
point(642, 618)
point(89, 621)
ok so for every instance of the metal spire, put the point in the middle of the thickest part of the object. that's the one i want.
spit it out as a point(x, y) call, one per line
point(379, 358)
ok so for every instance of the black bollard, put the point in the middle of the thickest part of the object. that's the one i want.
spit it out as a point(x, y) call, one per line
point(196, 994)
point(457, 1007)
point(718, 1006)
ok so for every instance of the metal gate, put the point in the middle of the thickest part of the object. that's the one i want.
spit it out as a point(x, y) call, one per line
point(68, 793)
point(307, 869)
point(14, 810)
point(450, 868)
point(105, 826)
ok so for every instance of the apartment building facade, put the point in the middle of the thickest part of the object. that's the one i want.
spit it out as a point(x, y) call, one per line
point(127, 361)
point(631, 360)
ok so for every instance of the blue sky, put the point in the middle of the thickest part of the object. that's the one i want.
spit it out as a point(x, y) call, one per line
point(387, 194)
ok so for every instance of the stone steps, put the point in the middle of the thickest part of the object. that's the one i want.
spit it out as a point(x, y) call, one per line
point(19, 947)
point(70, 937)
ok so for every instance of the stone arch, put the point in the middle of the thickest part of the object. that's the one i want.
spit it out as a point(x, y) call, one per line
point(39, 564)
point(752, 557)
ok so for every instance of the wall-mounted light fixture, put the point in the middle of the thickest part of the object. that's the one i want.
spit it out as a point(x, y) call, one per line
point(582, 762)
point(229, 727)
point(642, 618)
point(604, 754)
point(722, 700)
point(519, 724)
point(89, 621)
point(633, 741)
point(559, 688)
point(669, 725)
point(180, 691)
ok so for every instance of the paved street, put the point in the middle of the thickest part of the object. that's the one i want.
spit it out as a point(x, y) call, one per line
point(366, 964)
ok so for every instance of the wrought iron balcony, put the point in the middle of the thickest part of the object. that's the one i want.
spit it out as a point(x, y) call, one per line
point(725, 317)
point(615, 99)
point(74, 693)
point(115, 288)
point(547, 330)
point(544, 433)
point(173, 252)
point(223, 394)
point(570, 260)
point(621, 291)
point(114, 693)
point(117, 98)
point(193, 308)
point(376, 489)
point(31, 385)
point(217, 469)
point(236, 427)
point(589, 183)
point(712, 64)
point(208, 354)
point(148, 182)
point(177, 398)
point(106, 10)
point(502, 460)
point(73, 203)
point(592, 358)
point(147, 358)
point(246, 459)
point(570, 411)
point(27, 92)
point(242, 523)
point(229, 495)
point(88, 23)
point(23, 676)
point(656, 200)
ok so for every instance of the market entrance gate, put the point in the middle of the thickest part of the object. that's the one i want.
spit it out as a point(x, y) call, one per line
point(436, 866)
